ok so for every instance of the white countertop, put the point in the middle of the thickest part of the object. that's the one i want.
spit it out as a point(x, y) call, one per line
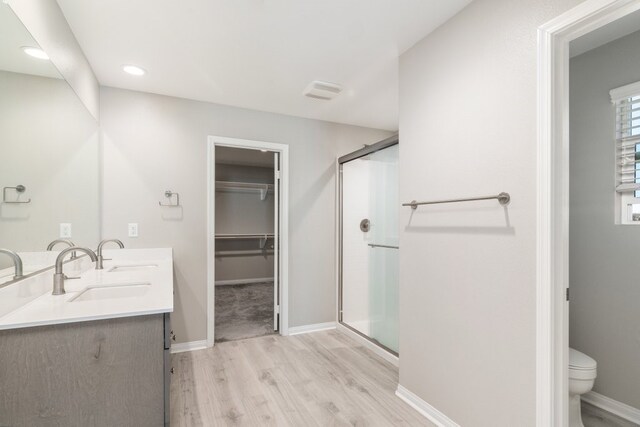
point(48, 309)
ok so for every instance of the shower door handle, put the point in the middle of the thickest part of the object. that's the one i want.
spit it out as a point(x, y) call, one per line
point(374, 245)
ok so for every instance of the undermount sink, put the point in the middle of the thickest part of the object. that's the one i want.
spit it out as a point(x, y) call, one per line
point(109, 292)
point(131, 268)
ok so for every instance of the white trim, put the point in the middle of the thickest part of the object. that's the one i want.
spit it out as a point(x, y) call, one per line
point(189, 346)
point(283, 149)
point(624, 92)
point(620, 409)
point(425, 409)
point(389, 357)
point(337, 240)
point(276, 240)
point(242, 281)
point(211, 241)
point(316, 327)
point(552, 326)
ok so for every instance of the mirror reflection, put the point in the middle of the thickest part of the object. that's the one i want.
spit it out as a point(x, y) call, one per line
point(49, 154)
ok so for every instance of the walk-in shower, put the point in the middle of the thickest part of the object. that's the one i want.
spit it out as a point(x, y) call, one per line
point(368, 277)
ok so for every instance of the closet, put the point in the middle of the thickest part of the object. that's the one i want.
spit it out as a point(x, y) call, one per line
point(246, 240)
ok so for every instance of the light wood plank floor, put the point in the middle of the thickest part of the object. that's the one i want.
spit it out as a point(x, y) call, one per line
point(317, 379)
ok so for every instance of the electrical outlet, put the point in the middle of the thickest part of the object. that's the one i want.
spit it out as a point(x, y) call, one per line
point(133, 229)
point(65, 230)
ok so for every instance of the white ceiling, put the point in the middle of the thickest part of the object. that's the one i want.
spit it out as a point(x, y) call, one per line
point(14, 36)
point(606, 34)
point(260, 54)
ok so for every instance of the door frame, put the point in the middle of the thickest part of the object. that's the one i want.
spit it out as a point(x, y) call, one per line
point(552, 308)
point(283, 150)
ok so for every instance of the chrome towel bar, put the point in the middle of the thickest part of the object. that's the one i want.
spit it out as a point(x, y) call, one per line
point(503, 199)
point(373, 245)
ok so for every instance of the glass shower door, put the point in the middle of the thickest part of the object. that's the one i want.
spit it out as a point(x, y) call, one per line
point(369, 255)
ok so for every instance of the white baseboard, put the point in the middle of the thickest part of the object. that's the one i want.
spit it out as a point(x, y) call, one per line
point(617, 408)
point(243, 281)
point(188, 346)
point(391, 358)
point(425, 409)
point(297, 330)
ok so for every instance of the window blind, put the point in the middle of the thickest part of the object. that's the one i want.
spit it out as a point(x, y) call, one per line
point(627, 105)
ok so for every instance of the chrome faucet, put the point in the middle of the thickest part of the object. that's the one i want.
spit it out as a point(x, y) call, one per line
point(58, 277)
point(66, 242)
point(100, 257)
point(17, 262)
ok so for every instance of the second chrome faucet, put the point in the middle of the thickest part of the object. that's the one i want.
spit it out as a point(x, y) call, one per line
point(59, 277)
point(99, 252)
point(66, 242)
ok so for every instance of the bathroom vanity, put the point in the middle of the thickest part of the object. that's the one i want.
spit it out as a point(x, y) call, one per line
point(97, 355)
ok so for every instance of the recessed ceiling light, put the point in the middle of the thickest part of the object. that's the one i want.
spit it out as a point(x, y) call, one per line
point(264, 151)
point(35, 52)
point(133, 70)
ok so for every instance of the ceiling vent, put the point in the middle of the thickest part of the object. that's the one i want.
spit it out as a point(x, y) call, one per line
point(322, 90)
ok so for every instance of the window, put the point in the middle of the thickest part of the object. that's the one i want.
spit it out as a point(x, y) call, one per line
point(627, 145)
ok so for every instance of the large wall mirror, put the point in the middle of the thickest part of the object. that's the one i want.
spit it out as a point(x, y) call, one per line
point(49, 150)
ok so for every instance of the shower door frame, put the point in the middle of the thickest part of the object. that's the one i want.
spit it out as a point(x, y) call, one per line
point(366, 150)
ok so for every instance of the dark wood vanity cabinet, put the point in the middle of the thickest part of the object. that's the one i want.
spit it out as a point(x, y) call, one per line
point(113, 372)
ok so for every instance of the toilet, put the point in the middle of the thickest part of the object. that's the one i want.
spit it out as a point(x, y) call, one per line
point(582, 375)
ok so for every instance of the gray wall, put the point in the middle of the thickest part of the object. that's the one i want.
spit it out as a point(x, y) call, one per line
point(152, 143)
point(49, 143)
point(243, 212)
point(467, 271)
point(605, 296)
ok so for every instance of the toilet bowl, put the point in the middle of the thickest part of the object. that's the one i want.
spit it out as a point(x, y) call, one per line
point(582, 375)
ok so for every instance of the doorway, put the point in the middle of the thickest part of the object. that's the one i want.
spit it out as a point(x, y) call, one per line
point(553, 249)
point(247, 239)
point(604, 237)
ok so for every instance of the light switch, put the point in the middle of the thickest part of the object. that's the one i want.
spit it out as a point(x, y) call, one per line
point(65, 230)
point(133, 229)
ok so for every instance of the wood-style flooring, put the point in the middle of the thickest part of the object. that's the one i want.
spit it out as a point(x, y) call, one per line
point(317, 379)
